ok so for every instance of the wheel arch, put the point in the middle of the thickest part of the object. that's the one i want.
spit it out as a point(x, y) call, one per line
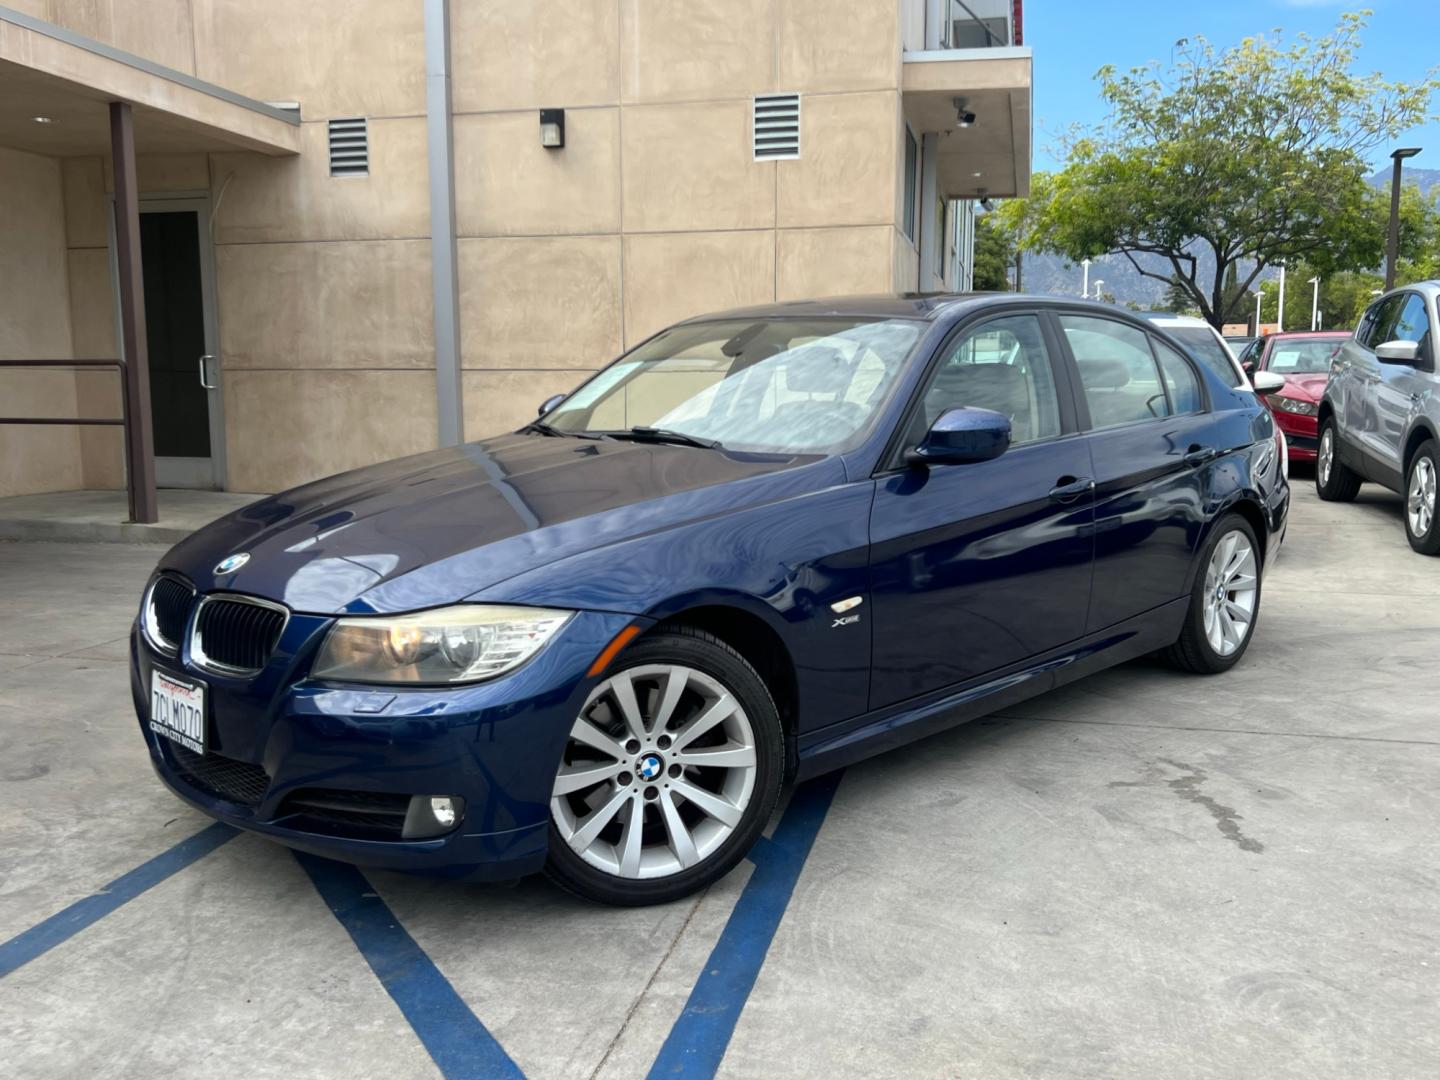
point(759, 643)
point(1421, 432)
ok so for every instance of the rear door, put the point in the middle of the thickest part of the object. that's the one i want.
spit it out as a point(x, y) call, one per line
point(978, 566)
point(1150, 436)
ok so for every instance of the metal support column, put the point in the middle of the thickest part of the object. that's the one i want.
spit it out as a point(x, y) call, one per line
point(449, 392)
point(139, 435)
point(927, 280)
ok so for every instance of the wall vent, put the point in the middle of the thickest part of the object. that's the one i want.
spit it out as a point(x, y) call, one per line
point(349, 147)
point(776, 126)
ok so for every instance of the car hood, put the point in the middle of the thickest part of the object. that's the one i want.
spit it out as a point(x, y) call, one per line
point(1306, 387)
point(439, 527)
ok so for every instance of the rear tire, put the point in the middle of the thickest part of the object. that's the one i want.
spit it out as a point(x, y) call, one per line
point(1421, 475)
point(1334, 480)
point(1224, 603)
point(670, 773)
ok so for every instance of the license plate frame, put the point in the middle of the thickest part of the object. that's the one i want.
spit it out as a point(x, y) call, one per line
point(177, 710)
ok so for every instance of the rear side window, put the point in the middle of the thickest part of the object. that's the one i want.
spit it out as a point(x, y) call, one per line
point(1180, 379)
point(1208, 349)
point(1117, 371)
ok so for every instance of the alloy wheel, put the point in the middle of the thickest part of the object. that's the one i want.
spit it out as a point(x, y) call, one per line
point(1231, 590)
point(1327, 455)
point(657, 773)
point(1420, 500)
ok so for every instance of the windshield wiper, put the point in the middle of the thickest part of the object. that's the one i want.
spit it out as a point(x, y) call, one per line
point(539, 427)
point(640, 433)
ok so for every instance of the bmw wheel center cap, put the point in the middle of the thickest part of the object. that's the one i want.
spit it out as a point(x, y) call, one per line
point(649, 767)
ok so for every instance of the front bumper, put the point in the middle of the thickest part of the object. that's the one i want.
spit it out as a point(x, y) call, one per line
point(497, 745)
point(1301, 434)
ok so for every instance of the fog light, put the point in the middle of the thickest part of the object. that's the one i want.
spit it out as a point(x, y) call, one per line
point(431, 815)
point(444, 811)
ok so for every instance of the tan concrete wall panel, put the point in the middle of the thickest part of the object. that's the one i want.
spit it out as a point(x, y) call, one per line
point(536, 54)
point(351, 304)
point(507, 184)
point(546, 302)
point(158, 30)
point(690, 167)
point(833, 262)
point(284, 428)
point(87, 222)
point(336, 57)
point(501, 401)
point(838, 45)
point(35, 325)
point(672, 276)
point(688, 51)
point(846, 173)
point(260, 199)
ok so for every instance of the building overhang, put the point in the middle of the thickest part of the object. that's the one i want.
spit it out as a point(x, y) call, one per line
point(991, 157)
point(69, 80)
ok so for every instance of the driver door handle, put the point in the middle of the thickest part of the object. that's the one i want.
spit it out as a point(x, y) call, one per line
point(1069, 488)
point(204, 372)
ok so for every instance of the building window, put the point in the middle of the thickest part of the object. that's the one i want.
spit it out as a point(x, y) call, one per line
point(940, 208)
point(912, 175)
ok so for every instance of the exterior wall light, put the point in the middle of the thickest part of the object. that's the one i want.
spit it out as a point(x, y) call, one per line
point(552, 128)
point(42, 119)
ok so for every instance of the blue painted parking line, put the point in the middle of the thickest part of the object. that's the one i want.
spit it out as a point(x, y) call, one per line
point(698, 1040)
point(456, 1040)
point(63, 925)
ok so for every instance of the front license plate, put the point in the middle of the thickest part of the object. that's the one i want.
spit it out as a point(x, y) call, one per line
point(177, 710)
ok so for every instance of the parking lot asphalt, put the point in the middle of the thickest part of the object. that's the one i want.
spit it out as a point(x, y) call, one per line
point(1146, 874)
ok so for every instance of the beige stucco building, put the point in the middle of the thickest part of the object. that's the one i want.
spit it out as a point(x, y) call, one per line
point(298, 164)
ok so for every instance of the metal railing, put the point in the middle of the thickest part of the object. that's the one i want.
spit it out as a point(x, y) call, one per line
point(136, 476)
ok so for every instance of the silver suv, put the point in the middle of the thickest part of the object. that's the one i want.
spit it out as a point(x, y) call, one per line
point(1380, 417)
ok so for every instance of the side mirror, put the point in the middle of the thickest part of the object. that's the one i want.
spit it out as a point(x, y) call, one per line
point(1267, 382)
point(1248, 367)
point(1398, 352)
point(962, 435)
point(550, 403)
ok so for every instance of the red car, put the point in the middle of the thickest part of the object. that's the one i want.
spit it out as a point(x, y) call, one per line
point(1303, 360)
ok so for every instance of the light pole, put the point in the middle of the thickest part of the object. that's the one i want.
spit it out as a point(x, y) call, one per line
point(1085, 279)
point(1258, 294)
point(1098, 283)
point(1392, 245)
point(1280, 306)
point(1315, 305)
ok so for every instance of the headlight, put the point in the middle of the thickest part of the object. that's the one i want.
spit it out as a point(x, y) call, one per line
point(1294, 405)
point(465, 643)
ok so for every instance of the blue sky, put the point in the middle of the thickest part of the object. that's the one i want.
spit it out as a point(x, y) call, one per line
point(1073, 39)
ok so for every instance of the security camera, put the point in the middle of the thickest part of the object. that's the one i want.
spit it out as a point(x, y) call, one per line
point(987, 206)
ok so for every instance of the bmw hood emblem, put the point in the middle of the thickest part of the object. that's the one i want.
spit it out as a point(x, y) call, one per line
point(649, 767)
point(231, 563)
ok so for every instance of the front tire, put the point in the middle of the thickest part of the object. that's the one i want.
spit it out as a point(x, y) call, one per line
point(1224, 603)
point(670, 773)
point(1420, 480)
point(1334, 481)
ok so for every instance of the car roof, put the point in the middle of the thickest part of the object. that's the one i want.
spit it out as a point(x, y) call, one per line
point(926, 306)
point(1171, 318)
point(1307, 334)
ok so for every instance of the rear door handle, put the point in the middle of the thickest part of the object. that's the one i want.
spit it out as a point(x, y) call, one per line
point(1070, 488)
point(1199, 455)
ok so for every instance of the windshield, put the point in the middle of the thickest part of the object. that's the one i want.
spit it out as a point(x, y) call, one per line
point(1303, 356)
point(1208, 349)
point(800, 386)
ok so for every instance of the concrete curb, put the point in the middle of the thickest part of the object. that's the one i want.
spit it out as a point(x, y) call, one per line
point(119, 532)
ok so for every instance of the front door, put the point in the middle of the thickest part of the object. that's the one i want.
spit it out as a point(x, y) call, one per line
point(180, 329)
point(978, 566)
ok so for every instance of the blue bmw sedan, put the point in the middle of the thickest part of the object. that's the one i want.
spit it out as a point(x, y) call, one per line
point(760, 545)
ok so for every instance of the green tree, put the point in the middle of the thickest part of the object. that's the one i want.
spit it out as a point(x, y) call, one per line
point(994, 252)
point(1176, 299)
point(1227, 162)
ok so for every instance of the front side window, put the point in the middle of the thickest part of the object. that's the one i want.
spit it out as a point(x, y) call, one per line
point(796, 386)
point(1208, 349)
point(1180, 380)
point(1117, 371)
point(1378, 320)
point(1001, 365)
point(1411, 323)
